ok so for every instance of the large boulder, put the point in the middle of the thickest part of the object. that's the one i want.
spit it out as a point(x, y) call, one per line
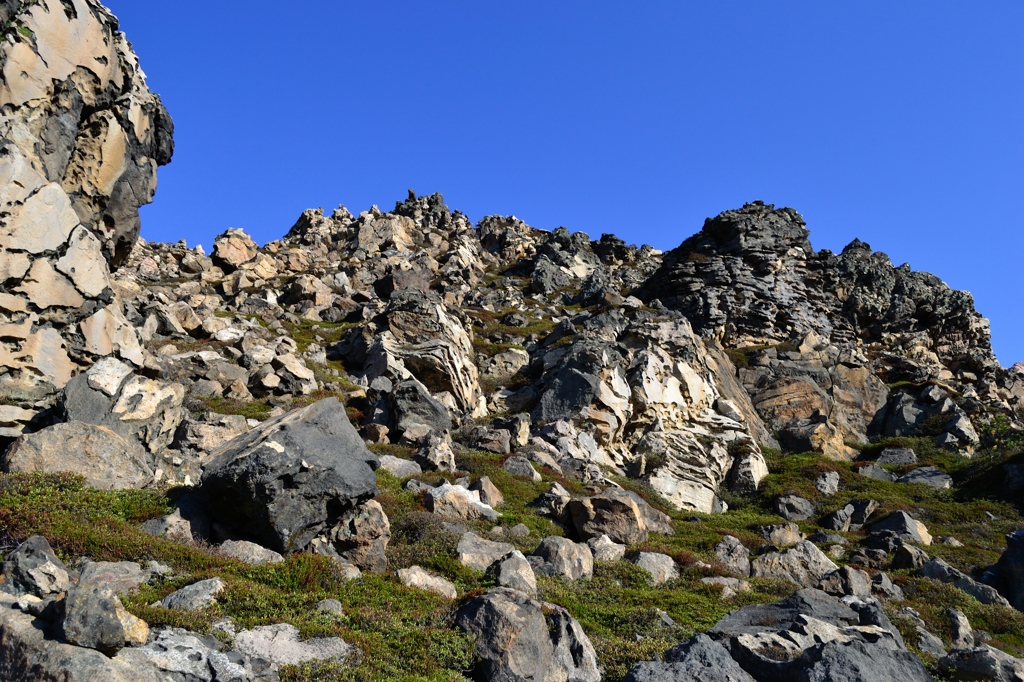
point(106, 459)
point(518, 638)
point(804, 565)
point(32, 568)
point(291, 477)
point(623, 516)
point(700, 659)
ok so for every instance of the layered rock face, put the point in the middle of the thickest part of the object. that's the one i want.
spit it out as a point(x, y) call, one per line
point(823, 334)
point(81, 137)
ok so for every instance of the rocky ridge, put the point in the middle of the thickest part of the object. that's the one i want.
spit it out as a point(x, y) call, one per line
point(333, 401)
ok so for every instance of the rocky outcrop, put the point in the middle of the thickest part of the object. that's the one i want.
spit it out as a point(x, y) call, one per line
point(809, 636)
point(823, 333)
point(81, 137)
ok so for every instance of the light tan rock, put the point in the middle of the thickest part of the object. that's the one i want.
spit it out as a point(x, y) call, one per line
point(13, 265)
point(17, 176)
point(43, 223)
point(234, 247)
point(84, 263)
point(47, 288)
point(105, 459)
point(415, 576)
point(108, 331)
point(43, 352)
point(12, 304)
point(107, 375)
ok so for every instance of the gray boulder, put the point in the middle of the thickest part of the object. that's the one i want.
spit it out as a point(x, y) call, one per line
point(32, 568)
point(982, 663)
point(794, 508)
point(281, 644)
point(521, 467)
point(605, 550)
point(906, 527)
point(623, 516)
point(515, 572)
point(736, 558)
point(518, 638)
point(195, 596)
point(804, 565)
point(699, 660)
point(934, 478)
point(250, 552)
point(94, 618)
point(290, 477)
point(661, 567)
point(897, 457)
point(563, 557)
point(411, 403)
point(876, 472)
point(937, 569)
point(478, 553)
point(105, 458)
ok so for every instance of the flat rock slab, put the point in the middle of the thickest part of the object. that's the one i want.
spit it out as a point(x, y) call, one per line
point(281, 644)
point(934, 478)
point(414, 576)
point(195, 596)
point(250, 552)
point(123, 577)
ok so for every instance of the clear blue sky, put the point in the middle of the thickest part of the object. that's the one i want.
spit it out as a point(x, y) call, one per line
point(901, 123)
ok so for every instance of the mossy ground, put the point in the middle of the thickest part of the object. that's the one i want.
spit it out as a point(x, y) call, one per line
point(407, 634)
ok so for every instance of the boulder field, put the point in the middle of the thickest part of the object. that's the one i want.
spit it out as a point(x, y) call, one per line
point(408, 445)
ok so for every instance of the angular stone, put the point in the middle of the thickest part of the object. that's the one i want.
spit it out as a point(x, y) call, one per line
point(415, 576)
point(94, 618)
point(107, 331)
point(107, 375)
point(290, 477)
point(803, 565)
point(489, 493)
point(661, 567)
point(623, 516)
point(934, 478)
point(33, 568)
point(47, 288)
point(794, 508)
point(904, 526)
point(123, 577)
point(699, 660)
point(515, 572)
point(475, 552)
point(455, 502)
point(897, 457)
point(84, 263)
point(402, 468)
point(521, 467)
point(250, 552)
point(827, 483)
point(195, 596)
point(605, 550)
point(518, 638)
point(733, 555)
point(563, 557)
point(106, 459)
point(283, 645)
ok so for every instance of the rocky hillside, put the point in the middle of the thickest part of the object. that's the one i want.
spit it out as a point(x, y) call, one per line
point(405, 445)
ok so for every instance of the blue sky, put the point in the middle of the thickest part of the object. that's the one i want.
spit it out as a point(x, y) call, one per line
point(898, 123)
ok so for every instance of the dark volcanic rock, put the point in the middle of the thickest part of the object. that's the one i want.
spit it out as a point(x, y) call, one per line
point(291, 477)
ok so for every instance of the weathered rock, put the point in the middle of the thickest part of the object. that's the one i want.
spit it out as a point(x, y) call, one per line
point(402, 468)
point(701, 659)
point(961, 633)
point(435, 453)
point(563, 557)
point(172, 525)
point(94, 618)
point(605, 550)
point(195, 596)
point(489, 493)
point(982, 663)
point(455, 502)
point(123, 577)
point(733, 555)
point(520, 466)
point(804, 565)
point(876, 472)
point(794, 508)
point(932, 477)
point(661, 567)
point(905, 526)
point(282, 644)
point(360, 537)
point(515, 572)
point(478, 553)
point(827, 483)
point(178, 654)
point(33, 568)
point(908, 556)
point(897, 457)
point(623, 516)
point(250, 552)
point(937, 569)
point(106, 459)
point(847, 581)
point(29, 653)
point(414, 576)
point(519, 638)
point(782, 535)
point(290, 477)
